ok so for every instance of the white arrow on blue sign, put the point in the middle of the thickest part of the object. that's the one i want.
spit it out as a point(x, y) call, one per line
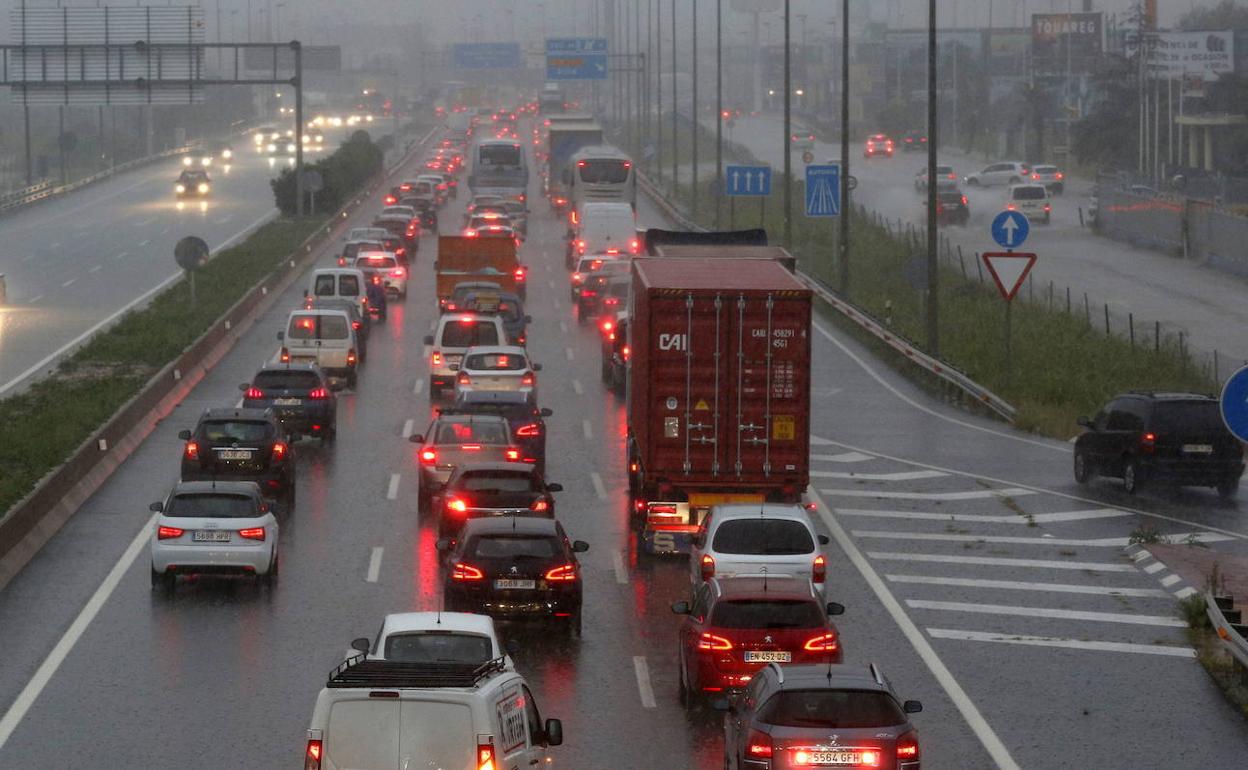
point(823, 190)
point(1010, 229)
point(747, 181)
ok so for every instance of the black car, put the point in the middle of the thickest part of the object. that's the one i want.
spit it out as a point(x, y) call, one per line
point(193, 183)
point(425, 211)
point(235, 444)
point(515, 568)
point(913, 140)
point(1166, 438)
point(952, 208)
point(590, 300)
point(493, 489)
point(615, 354)
point(299, 395)
point(527, 423)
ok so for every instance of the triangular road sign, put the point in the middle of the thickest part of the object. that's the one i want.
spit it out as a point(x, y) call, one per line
point(1009, 269)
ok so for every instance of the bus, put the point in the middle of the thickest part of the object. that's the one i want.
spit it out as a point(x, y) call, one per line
point(499, 165)
point(602, 173)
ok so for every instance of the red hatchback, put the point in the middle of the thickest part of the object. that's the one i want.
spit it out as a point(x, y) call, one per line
point(736, 626)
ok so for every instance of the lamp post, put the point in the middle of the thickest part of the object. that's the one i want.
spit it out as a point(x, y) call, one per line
point(788, 144)
point(843, 241)
point(933, 312)
point(719, 106)
point(675, 106)
point(693, 117)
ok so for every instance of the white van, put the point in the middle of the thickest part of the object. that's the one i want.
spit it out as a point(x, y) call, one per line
point(604, 228)
point(338, 283)
point(384, 715)
point(1032, 200)
point(456, 333)
point(323, 337)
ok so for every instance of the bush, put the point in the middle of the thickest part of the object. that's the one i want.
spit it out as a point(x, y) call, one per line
point(342, 174)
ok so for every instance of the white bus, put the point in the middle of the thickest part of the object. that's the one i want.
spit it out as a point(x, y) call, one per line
point(602, 174)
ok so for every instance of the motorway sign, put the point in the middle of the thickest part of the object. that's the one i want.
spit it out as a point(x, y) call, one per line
point(1234, 404)
point(562, 45)
point(486, 56)
point(576, 58)
point(1009, 269)
point(747, 180)
point(1010, 229)
point(823, 190)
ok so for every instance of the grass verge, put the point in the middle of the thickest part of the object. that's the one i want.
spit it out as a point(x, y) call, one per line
point(1211, 653)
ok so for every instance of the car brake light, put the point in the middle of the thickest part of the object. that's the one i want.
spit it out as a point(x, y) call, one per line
point(709, 641)
point(398, 272)
point(252, 533)
point(519, 273)
point(512, 454)
point(608, 325)
point(312, 759)
point(819, 570)
point(564, 574)
point(280, 450)
point(436, 358)
point(463, 379)
point(391, 200)
point(532, 430)
point(759, 745)
point(588, 293)
point(167, 533)
point(357, 325)
point(1035, 176)
point(964, 200)
point(470, 233)
point(318, 394)
point(578, 278)
point(527, 379)
point(580, 164)
point(1148, 442)
point(908, 747)
point(254, 393)
point(457, 505)
point(1009, 207)
point(485, 756)
point(1059, 175)
point(823, 643)
point(625, 352)
point(284, 356)
point(539, 506)
point(580, 246)
point(708, 566)
point(351, 357)
point(634, 246)
point(191, 451)
point(1047, 208)
point(463, 571)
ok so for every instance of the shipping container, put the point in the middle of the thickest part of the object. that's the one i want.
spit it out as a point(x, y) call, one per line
point(719, 390)
point(778, 253)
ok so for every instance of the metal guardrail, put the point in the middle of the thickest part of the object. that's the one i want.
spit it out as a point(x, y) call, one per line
point(862, 319)
point(1228, 632)
point(48, 190)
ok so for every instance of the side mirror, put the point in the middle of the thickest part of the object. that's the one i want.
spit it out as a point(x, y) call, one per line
point(244, 386)
point(554, 732)
point(912, 707)
point(1085, 422)
point(721, 704)
point(579, 546)
point(824, 540)
point(545, 411)
point(528, 319)
point(360, 645)
point(281, 335)
point(185, 435)
point(444, 544)
point(680, 608)
point(428, 339)
point(417, 438)
point(536, 367)
point(835, 608)
point(554, 487)
point(156, 507)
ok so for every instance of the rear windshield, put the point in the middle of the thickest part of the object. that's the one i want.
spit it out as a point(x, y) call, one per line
point(438, 648)
point(499, 155)
point(485, 432)
point(348, 285)
point(496, 481)
point(832, 709)
point(495, 362)
point(763, 537)
point(1031, 193)
point(325, 327)
point(294, 379)
point(604, 171)
point(212, 506)
point(513, 547)
point(1045, 169)
point(1187, 417)
point(769, 613)
point(375, 263)
point(466, 334)
point(242, 431)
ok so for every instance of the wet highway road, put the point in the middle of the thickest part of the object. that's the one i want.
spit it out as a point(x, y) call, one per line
point(982, 580)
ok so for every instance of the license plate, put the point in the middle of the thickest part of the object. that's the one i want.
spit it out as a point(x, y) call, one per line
point(508, 583)
point(211, 536)
point(768, 656)
point(234, 454)
point(836, 757)
point(288, 401)
point(1198, 449)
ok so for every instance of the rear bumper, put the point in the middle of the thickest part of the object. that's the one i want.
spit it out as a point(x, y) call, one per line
point(515, 605)
point(201, 559)
point(1186, 472)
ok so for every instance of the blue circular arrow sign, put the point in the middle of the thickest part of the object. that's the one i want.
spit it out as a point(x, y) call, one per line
point(1234, 404)
point(1010, 229)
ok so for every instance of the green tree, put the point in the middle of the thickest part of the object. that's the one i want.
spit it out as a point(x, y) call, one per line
point(1228, 14)
point(1106, 138)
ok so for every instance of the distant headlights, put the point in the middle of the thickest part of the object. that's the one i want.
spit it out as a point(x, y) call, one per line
point(203, 187)
point(180, 188)
point(186, 160)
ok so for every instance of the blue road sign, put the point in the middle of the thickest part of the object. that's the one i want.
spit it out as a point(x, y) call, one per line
point(486, 56)
point(1010, 229)
point(1234, 404)
point(747, 180)
point(576, 66)
point(823, 190)
point(562, 45)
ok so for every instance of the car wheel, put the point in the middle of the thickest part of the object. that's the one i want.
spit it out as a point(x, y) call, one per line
point(1228, 487)
point(1132, 477)
point(422, 502)
point(1083, 468)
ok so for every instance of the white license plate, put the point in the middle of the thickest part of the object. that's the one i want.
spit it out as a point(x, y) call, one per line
point(768, 656)
point(836, 758)
point(234, 454)
point(507, 583)
point(288, 401)
point(303, 359)
point(1198, 449)
point(211, 536)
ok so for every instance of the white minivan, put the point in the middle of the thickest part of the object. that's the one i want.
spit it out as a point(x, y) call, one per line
point(456, 332)
point(323, 337)
point(338, 283)
point(604, 228)
point(392, 715)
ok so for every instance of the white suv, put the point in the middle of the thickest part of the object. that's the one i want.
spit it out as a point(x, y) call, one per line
point(1011, 172)
point(753, 539)
point(1032, 200)
point(430, 637)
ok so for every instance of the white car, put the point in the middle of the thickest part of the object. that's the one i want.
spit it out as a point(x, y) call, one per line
point(386, 265)
point(497, 368)
point(946, 179)
point(214, 527)
point(455, 335)
point(433, 637)
point(753, 539)
point(1051, 177)
point(1030, 199)
point(1010, 172)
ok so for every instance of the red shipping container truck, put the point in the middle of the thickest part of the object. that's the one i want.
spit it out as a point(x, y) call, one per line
point(719, 391)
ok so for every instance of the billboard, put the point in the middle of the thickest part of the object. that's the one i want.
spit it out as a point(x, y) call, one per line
point(1059, 40)
point(1194, 54)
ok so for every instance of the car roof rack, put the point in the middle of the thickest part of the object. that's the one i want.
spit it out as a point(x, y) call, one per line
point(361, 672)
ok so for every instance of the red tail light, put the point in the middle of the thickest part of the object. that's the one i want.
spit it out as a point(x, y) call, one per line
point(532, 430)
point(634, 246)
point(391, 200)
point(564, 574)
point(1148, 443)
point(398, 272)
point(580, 246)
point(709, 641)
point(527, 379)
point(907, 747)
point(470, 447)
point(464, 379)
point(463, 571)
point(1035, 176)
point(823, 643)
point(1009, 207)
point(253, 533)
point(280, 450)
point(708, 566)
point(819, 570)
point(351, 357)
point(588, 293)
point(168, 533)
point(254, 393)
point(285, 356)
point(964, 200)
point(1047, 208)
point(191, 450)
point(1059, 175)
point(578, 278)
point(470, 233)
point(625, 352)
point(580, 164)
point(539, 506)
point(436, 358)
point(520, 274)
point(759, 745)
point(456, 505)
point(357, 325)
point(485, 756)
point(428, 457)
point(312, 758)
point(318, 394)
point(513, 455)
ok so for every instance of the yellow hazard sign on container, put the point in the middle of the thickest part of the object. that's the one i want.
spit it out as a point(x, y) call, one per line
point(701, 406)
point(783, 427)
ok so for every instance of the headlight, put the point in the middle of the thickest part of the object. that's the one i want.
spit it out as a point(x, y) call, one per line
point(368, 118)
point(290, 147)
point(259, 138)
point(203, 187)
point(180, 188)
point(227, 154)
point(186, 160)
point(205, 161)
point(319, 138)
point(272, 147)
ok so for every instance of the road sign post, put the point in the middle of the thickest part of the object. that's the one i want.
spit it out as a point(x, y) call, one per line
point(823, 190)
point(1009, 269)
point(747, 181)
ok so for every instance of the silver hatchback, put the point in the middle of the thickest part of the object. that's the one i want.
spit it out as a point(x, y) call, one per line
point(214, 527)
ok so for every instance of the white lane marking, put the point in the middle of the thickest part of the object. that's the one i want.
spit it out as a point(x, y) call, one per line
point(30, 693)
point(1165, 621)
point(587, 429)
point(1141, 555)
point(557, 303)
point(1170, 580)
point(166, 231)
point(1185, 592)
point(568, 352)
point(643, 681)
point(407, 428)
point(69, 283)
point(621, 574)
point(973, 494)
point(393, 491)
point(420, 385)
point(96, 269)
point(1009, 518)
point(999, 561)
point(899, 476)
point(122, 255)
point(963, 423)
point(1096, 542)
point(1052, 641)
point(1017, 585)
point(599, 488)
point(35, 299)
point(970, 712)
point(1154, 568)
point(578, 387)
point(224, 220)
point(563, 327)
point(552, 284)
point(144, 243)
point(374, 565)
point(843, 457)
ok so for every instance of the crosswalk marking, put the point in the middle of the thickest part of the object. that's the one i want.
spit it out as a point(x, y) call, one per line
point(1051, 641)
point(974, 494)
point(843, 457)
point(1165, 621)
point(1099, 542)
point(1009, 518)
point(1018, 585)
point(1001, 561)
point(901, 476)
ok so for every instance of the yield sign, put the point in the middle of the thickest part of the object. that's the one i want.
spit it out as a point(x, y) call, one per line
point(1009, 269)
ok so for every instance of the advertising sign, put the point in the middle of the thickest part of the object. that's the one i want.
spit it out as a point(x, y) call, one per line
point(1057, 38)
point(1176, 54)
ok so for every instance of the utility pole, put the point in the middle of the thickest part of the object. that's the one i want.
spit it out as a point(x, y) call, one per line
point(845, 192)
point(788, 143)
point(933, 333)
point(693, 118)
point(675, 106)
point(719, 106)
point(658, 85)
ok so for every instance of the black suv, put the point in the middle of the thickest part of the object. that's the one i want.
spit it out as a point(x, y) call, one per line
point(1147, 437)
point(494, 489)
point(241, 445)
point(300, 396)
point(952, 208)
point(527, 423)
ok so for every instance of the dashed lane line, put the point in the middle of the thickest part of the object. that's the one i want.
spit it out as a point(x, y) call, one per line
point(144, 244)
point(578, 387)
point(599, 488)
point(569, 353)
point(551, 283)
point(587, 429)
point(1164, 621)
point(1070, 644)
point(621, 574)
point(899, 476)
point(1096, 542)
point(36, 298)
point(69, 283)
point(392, 493)
point(971, 494)
point(96, 269)
point(643, 682)
point(122, 255)
point(563, 327)
point(1010, 518)
point(1018, 585)
point(419, 386)
point(374, 565)
point(407, 428)
point(999, 561)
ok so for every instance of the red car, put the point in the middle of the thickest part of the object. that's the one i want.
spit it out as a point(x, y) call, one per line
point(877, 145)
point(736, 626)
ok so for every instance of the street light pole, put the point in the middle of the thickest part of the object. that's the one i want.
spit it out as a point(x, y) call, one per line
point(845, 193)
point(693, 118)
point(719, 106)
point(933, 312)
point(675, 106)
point(658, 88)
point(788, 143)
